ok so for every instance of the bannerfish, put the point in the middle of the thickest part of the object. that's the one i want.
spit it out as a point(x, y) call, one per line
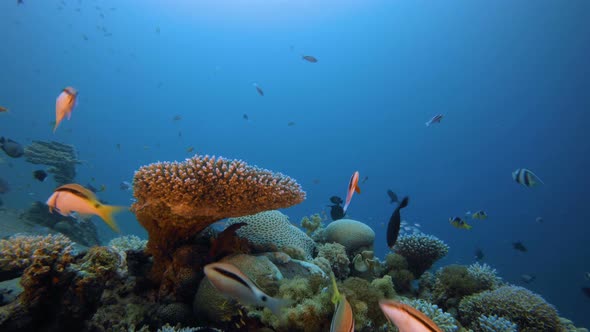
point(40, 175)
point(336, 200)
point(11, 148)
point(231, 282)
point(395, 222)
point(309, 58)
point(586, 291)
point(65, 104)
point(353, 185)
point(459, 223)
point(3, 109)
point(259, 89)
point(392, 196)
point(73, 197)
point(526, 177)
point(480, 215)
point(519, 246)
point(435, 119)
point(336, 212)
point(343, 318)
point(479, 255)
point(407, 318)
point(527, 278)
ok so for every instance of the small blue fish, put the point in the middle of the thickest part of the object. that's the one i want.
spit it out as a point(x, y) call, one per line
point(526, 177)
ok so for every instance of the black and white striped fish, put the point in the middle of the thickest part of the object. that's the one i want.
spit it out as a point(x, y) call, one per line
point(526, 177)
point(230, 281)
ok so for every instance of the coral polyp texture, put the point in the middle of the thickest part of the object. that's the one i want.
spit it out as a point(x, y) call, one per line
point(177, 200)
point(421, 251)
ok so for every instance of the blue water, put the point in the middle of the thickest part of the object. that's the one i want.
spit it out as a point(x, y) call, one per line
point(510, 77)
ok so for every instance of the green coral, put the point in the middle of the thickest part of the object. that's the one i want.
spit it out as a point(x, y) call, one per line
point(452, 283)
point(335, 253)
point(385, 286)
point(364, 299)
point(398, 270)
point(311, 224)
point(519, 305)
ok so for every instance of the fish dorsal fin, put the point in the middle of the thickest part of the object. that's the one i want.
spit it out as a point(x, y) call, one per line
point(78, 190)
point(336, 296)
point(414, 313)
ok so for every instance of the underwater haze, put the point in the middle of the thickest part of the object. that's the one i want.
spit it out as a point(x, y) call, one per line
point(163, 80)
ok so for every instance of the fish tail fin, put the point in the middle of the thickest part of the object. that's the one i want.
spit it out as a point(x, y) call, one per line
point(404, 202)
point(345, 207)
point(336, 297)
point(427, 123)
point(106, 213)
point(55, 127)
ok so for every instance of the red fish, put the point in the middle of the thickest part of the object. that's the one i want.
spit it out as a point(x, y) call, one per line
point(64, 105)
point(353, 186)
point(435, 119)
point(406, 318)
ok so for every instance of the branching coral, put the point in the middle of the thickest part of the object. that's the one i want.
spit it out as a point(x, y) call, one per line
point(521, 306)
point(177, 200)
point(127, 242)
point(271, 231)
point(336, 254)
point(420, 251)
point(494, 323)
point(485, 275)
point(61, 157)
point(444, 320)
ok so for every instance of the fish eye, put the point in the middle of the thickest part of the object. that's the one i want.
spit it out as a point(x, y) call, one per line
point(96, 205)
point(263, 298)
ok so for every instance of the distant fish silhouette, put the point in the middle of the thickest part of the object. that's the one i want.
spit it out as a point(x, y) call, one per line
point(394, 223)
point(336, 200)
point(336, 212)
point(258, 89)
point(309, 58)
point(392, 196)
point(586, 291)
point(479, 255)
point(519, 246)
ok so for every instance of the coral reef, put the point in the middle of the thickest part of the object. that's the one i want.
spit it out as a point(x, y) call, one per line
point(354, 235)
point(420, 251)
point(494, 323)
point(485, 275)
point(444, 320)
point(452, 283)
point(128, 242)
point(335, 253)
point(397, 267)
point(61, 157)
point(272, 231)
point(177, 200)
point(81, 231)
point(519, 305)
point(311, 224)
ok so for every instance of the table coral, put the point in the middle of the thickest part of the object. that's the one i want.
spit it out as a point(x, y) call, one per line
point(177, 200)
point(271, 231)
point(61, 157)
point(420, 251)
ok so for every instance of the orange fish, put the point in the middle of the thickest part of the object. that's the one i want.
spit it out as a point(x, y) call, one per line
point(353, 186)
point(64, 105)
point(406, 318)
point(3, 109)
point(343, 319)
point(75, 198)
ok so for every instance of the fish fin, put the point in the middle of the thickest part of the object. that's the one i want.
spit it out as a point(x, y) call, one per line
point(69, 115)
point(427, 124)
point(404, 202)
point(106, 213)
point(55, 127)
point(357, 189)
point(336, 296)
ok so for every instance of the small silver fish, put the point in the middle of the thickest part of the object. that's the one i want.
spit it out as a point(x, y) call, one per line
point(435, 119)
point(230, 281)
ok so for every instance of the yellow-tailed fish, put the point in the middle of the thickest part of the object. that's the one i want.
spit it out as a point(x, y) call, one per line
point(459, 223)
point(73, 197)
point(481, 215)
point(526, 177)
point(64, 105)
point(231, 282)
point(407, 318)
point(343, 319)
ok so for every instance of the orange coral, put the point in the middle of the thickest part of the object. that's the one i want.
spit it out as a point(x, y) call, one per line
point(177, 200)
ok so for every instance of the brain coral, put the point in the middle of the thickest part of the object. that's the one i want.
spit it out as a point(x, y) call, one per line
point(271, 231)
point(421, 251)
point(519, 305)
point(177, 200)
point(352, 234)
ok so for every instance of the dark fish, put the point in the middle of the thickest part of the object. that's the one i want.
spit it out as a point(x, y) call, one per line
point(259, 90)
point(364, 179)
point(519, 246)
point(4, 187)
point(309, 58)
point(316, 181)
point(40, 175)
point(336, 200)
point(539, 220)
point(527, 278)
point(479, 254)
point(395, 222)
point(392, 196)
point(291, 124)
point(12, 148)
point(586, 291)
point(336, 212)
point(245, 116)
point(20, 2)
point(177, 118)
point(118, 146)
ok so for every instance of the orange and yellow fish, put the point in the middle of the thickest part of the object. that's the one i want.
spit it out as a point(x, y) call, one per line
point(73, 197)
point(407, 318)
point(64, 105)
point(343, 319)
point(353, 186)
